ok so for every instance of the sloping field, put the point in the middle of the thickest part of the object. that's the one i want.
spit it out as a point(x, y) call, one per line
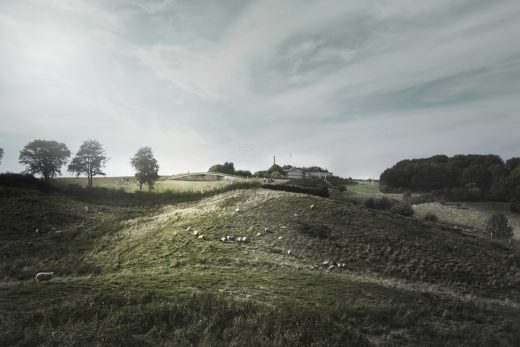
point(139, 276)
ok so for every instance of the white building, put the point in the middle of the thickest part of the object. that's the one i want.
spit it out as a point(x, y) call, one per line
point(296, 173)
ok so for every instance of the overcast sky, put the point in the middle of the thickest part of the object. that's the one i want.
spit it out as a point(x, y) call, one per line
point(352, 86)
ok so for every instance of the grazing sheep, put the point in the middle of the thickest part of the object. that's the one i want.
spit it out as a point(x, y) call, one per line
point(283, 227)
point(201, 237)
point(244, 239)
point(188, 228)
point(37, 231)
point(195, 232)
point(267, 230)
point(289, 252)
point(258, 234)
point(312, 206)
point(280, 237)
point(342, 265)
point(315, 266)
point(239, 239)
point(223, 239)
point(332, 267)
point(237, 209)
point(325, 263)
point(86, 208)
point(296, 214)
point(44, 276)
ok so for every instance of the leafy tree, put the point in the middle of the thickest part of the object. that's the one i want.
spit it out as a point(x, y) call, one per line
point(479, 175)
point(498, 226)
point(146, 167)
point(513, 163)
point(44, 157)
point(89, 160)
point(1, 154)
point(226, 168)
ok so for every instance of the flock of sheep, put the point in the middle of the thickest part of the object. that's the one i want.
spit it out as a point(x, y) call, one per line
point(329, 264)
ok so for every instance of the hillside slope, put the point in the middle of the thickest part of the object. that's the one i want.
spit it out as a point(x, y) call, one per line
point(405, 282)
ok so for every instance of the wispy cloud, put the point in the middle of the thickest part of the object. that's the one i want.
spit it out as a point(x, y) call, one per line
point(353, 86)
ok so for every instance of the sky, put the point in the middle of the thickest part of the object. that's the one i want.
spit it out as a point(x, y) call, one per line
point(351, 86)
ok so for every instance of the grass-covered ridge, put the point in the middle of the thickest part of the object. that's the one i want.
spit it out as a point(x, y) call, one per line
point(131, 274)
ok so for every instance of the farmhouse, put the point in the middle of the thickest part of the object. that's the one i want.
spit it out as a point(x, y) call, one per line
point(296, 172)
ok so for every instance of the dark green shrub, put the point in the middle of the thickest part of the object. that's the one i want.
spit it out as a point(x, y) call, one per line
point(323, 192)
point(380, 204)
point(403, 209)
point(498, 227)
point(431, 217)
point(514, 206)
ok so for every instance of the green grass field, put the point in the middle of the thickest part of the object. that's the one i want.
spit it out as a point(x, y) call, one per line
point(134, 275)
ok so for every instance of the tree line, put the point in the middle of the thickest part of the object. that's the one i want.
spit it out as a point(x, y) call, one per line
point(46, 158)
point(484, 176)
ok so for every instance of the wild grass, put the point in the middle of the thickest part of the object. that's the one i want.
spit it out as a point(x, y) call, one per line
point(131, 274)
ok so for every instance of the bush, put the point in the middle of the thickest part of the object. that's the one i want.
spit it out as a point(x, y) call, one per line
point(403, 209)
point(514, 206)
point(431, 217)
point(323, 192)
point(498, 227)
point(380, 204)
point(26, 181)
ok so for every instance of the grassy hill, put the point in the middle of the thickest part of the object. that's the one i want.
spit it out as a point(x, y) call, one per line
point(132, 274)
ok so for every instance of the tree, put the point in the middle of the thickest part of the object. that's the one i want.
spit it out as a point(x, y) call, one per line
point(89, 160)
point(226, 168)
point(146, 167)
point(1, 154)
point(44, 157)
point(498, 226)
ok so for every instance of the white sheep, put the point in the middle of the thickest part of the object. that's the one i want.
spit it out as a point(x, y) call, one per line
point(188, 228)
point(312, 206)
point(259, 234)
point(296, 214)
point(289, 252)
point(332, 267)
point(201, 237)
point(223, 239)
point(267, 230)
point(244, 238)
point(325, 263)
point(230, 238)
point(283, 227)
point(280, 237)
point(44, 276)
point(195, 232)
point(237, 209)
point(239, 239)
point(342, 265)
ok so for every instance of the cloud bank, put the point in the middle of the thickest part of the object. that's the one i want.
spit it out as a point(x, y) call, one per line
point(352, 86)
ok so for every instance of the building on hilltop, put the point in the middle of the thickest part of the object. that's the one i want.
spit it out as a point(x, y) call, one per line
point(296, 173)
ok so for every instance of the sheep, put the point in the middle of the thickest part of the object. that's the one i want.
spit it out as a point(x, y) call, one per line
point(188, 228)
point(86, 208)
point(296, 214)
point(280, 237)
point(289, 252)
point(332, 267)
point(267, 230)
point(244, 238)
point(237, 209)
point(283, 227)
point(37, 231)
point(201, 237)
point(239, 239)
point(258, 234)
point(230, 237)
point(44, 276)
point(342, 265)
point(223, 239)
point(195, 232)
point(312, 206)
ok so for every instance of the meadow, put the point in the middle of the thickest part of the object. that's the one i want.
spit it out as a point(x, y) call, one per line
point(137, 275)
